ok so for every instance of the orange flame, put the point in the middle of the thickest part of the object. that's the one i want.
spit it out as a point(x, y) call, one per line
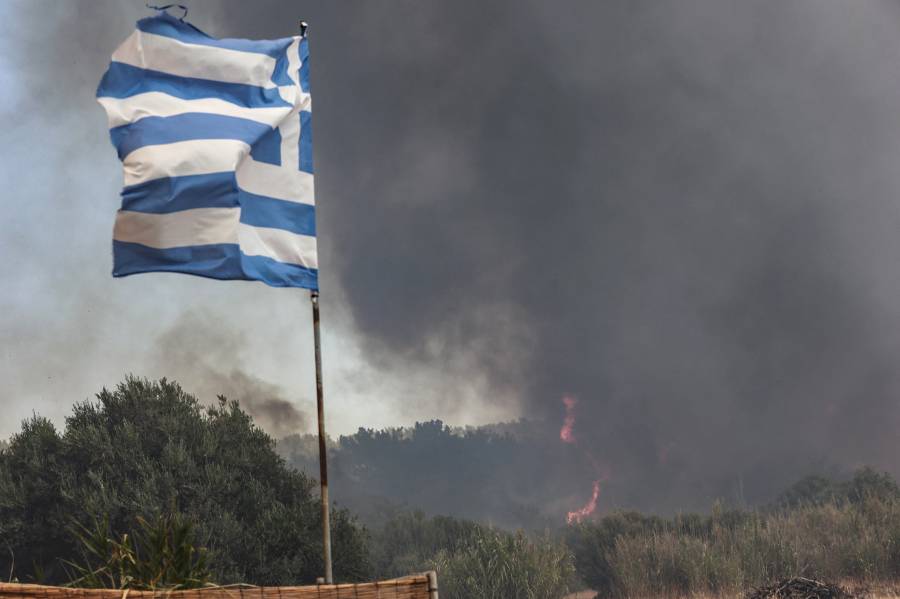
point(565, 433)
point(588, 509)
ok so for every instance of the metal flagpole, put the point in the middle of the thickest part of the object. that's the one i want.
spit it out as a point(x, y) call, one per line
point(323, 458)
point(320, 405)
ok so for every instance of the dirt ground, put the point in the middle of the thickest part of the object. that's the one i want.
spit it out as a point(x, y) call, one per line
point(591, 595)
point(878, 594)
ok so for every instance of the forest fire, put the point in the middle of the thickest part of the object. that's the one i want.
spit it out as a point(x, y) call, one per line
point(566, 433)
point(577, 516)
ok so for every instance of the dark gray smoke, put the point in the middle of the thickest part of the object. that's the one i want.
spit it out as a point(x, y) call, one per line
point(685, 214)
point(207, 356)
point(690, 207)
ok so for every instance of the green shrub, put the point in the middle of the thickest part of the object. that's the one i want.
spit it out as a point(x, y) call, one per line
point(156, 555)
point(148, 448)
point(594, 545)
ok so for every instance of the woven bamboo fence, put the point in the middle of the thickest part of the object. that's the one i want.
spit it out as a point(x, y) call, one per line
point(419, 586)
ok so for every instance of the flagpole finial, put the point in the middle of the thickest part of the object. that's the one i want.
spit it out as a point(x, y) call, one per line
point(303, 28)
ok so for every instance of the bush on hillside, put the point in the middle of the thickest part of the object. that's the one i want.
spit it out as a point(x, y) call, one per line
point(818, 490)
point(482, 473)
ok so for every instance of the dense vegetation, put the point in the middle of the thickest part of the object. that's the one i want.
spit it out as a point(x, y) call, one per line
point(145, 487)
point(507, 476)
point(147, 449)
point(833, 530)
point(408, 541)
point(472, 560)
point(497, 565)
point(850, 533)
point(159, 555)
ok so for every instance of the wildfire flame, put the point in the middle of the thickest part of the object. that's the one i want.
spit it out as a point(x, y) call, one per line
point(565, 433)
point(588, 509)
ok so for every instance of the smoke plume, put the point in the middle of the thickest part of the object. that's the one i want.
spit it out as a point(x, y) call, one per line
point(684, 213)
point(206, 357)
point(690, 207)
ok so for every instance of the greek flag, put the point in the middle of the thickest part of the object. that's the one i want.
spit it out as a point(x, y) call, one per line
point(215, 140)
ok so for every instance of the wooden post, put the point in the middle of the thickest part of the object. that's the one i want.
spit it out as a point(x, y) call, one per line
point(432, 585)
point(323, 450)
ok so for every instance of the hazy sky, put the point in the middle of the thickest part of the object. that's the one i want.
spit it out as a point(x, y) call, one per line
point(685, 214)
point(68, 328)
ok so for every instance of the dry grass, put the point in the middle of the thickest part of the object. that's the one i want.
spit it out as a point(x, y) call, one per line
point(882, 592)
point(629, 556)
point(871, 595)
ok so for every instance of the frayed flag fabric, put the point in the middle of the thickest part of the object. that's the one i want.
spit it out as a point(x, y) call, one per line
point(215, 140)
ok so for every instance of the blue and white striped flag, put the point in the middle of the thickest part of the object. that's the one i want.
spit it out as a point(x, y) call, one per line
point(216, 143)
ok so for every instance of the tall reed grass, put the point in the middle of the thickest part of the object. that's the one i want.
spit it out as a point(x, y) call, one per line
point(499, 565)
point(629, 556)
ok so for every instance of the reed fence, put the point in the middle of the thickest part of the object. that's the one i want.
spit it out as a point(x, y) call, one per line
point(419, 586)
